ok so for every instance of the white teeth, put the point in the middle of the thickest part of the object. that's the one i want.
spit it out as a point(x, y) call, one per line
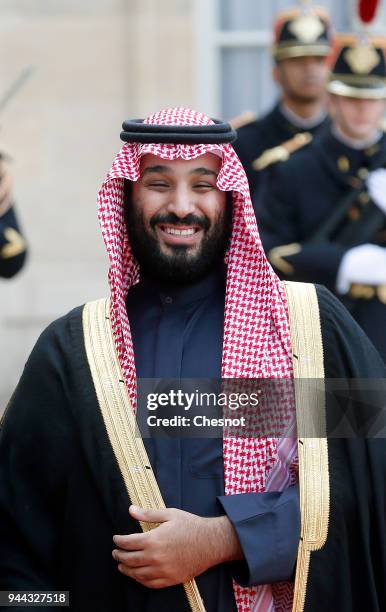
point(182, 232)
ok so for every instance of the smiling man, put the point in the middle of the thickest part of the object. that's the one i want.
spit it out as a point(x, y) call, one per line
point(87, 506)
point(174, 238)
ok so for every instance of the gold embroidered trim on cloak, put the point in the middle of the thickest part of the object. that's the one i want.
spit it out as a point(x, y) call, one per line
point(120, 422)
point(308, 362)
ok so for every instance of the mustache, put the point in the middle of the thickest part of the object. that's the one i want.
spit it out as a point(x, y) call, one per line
point(172, 219)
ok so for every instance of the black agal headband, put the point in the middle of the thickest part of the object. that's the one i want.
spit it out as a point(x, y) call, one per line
point(135, 130)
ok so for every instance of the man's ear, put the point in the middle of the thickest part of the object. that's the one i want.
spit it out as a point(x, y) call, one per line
point(331, 105)
point(127, 192)
point(127, 198)
point(276, 73)
point(229, 199)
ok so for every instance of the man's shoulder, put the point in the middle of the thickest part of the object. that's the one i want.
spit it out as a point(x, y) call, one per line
point(243, 121)
point(41, 392)
point(303, 148)
point(73, 317)
point(248, 134)
point(290, 157)
point(347, 349)
point(255, 125)
point(60, 339)
point(334, 316)
point(61, 327)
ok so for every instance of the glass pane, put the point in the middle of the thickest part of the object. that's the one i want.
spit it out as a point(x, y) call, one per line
point(259, 15)
point(245, 85)
point(246, 71)
point(244, 14)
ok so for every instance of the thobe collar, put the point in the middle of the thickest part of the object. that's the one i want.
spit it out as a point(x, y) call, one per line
point(172, 294)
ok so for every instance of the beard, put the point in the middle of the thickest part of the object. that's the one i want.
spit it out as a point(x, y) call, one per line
point(181, 265)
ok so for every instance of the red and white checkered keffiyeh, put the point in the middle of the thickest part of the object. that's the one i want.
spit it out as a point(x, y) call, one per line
point(256, 328)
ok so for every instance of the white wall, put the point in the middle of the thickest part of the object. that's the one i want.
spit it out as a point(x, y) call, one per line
point(96, 62)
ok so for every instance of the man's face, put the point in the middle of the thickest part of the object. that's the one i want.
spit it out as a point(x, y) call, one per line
point(178, 221)
point(355, 117)
point(302, 78)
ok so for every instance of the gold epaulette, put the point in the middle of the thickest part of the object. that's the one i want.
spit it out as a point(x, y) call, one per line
point(368, 292)
point(243, 119)
point(15, 244)
point(282, 152)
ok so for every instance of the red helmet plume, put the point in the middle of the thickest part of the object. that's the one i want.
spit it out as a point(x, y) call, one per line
point(367, 10)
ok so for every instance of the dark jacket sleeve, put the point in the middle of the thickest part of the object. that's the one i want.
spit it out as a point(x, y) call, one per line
point(277, 211)
point(13, 248)
point(268, 528)
point(35, 457)
point(348, 352)
point(348, 572)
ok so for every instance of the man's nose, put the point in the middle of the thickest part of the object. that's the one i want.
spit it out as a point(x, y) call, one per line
point(181, 203)
point(364, 105)
point(312, 65)
point(312, 61)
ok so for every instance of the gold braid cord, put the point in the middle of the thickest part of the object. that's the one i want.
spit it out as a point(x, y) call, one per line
point(308, 363)
point(120, 422)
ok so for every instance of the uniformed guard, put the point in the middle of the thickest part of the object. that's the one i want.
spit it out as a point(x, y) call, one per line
point(302, 41)
point(322, 212)
point(12, 243)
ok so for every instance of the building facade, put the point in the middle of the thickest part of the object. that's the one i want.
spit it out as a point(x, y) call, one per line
point(92, 64)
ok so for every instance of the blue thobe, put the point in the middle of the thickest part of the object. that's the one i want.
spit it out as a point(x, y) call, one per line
point(178, 333)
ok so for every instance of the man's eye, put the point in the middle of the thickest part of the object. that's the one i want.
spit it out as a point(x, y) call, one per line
point(204, 186)
point(158, 184)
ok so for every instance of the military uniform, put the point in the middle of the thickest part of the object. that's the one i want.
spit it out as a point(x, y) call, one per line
point(264, 134)
point(12, 243)
point(297, 34)
point(314, 207)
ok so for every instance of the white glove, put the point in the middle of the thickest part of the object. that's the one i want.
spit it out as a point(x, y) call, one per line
point(376, 186)
point(364, 264)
